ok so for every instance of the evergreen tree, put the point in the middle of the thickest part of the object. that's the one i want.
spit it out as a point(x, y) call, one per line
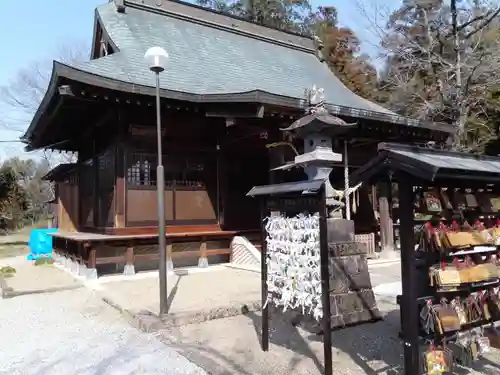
point(341, 47)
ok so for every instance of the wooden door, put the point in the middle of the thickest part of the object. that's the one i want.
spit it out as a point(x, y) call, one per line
point(242, 173)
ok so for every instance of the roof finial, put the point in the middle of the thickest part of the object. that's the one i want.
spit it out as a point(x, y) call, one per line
point(318, 43)
point(315, 98)
point(120, 5)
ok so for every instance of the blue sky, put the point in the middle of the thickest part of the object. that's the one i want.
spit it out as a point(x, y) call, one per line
point(35, 29)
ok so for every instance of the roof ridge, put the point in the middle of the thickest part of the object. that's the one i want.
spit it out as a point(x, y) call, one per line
point(232, 29)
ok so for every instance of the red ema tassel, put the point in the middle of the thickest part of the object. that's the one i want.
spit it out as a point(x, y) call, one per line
point(479, 225)
point(454, 226)
point(429, 228)
point(432, 347)
point(443, 265)
point(497, 224)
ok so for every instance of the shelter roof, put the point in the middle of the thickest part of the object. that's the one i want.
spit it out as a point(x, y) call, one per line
point(59, 172)
point(429, 165)
point(213, 58)
point(303, 187)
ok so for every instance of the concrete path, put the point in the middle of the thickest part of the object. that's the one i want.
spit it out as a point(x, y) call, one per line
point(74, 332)
point(192, 297)
point(231, 346)
point(30, 279)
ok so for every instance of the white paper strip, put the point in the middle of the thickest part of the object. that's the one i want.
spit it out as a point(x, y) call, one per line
point(293, 263)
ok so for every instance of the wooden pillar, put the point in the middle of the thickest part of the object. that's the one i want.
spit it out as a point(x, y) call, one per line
point(95, 175)
point(82, 221)
point(409, 306)
point(120, 187)
point(222, 186)
point(60, 220)
point(91, 261)
point(219, 179)
point(129, 268)
point(374, 198)
point(170, 263)
point(386, 224)
point(203, 260)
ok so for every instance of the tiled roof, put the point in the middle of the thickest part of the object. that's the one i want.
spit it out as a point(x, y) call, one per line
point(212, 58)
point(430, 165)
point(207, 58)
point(59, 171)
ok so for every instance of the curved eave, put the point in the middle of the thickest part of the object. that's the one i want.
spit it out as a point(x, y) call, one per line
point(42, 108)
point(64, 71)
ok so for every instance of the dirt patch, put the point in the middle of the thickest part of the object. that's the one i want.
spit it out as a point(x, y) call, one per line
point(13, 250)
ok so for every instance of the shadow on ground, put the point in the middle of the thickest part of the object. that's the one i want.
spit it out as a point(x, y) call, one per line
point(229, 346)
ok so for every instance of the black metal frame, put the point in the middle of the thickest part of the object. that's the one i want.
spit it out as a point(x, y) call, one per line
point(291, 197)
point(409, 170)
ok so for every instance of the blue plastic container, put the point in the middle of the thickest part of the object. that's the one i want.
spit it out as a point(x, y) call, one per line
point(40, 243)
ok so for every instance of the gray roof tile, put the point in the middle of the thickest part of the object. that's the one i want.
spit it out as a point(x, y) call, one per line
point(429, 165)
point(205, 59)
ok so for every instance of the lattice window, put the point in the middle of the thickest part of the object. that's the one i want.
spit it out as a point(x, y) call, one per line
point(142, 171)
point(180, 171)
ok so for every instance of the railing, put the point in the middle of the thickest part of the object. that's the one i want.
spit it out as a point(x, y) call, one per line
point(369, 241)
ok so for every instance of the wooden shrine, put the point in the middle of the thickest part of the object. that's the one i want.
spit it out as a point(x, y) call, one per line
point(451, 281)
point(222, 108)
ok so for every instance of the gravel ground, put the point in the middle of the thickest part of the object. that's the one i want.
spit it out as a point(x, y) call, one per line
point(74, 332)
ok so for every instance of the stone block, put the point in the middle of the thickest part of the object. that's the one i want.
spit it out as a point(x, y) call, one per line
point(340, 230)
point(91, 274)
point(129, 270)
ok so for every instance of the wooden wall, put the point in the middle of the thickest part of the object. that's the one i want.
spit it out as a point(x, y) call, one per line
point(67, 207)
point(208, 167)
point(190, 189)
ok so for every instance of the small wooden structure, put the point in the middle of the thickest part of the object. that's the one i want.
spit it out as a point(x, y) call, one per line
point(415, 166)
point(290, 199)
point(64, 177)
point(224, 97)
point(346, 298)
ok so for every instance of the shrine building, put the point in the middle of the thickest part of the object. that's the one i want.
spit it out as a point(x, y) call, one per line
point(229, 87)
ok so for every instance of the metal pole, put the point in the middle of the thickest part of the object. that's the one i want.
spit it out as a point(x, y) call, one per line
point(160, 185)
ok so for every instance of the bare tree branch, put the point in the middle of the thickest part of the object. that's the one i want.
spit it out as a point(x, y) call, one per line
point(483, 24)
point(20, 98)
point(441, 63)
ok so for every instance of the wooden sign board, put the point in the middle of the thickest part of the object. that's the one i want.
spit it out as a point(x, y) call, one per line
point(145, 131)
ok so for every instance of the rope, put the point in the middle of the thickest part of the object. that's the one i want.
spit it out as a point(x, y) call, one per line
point(346, 184)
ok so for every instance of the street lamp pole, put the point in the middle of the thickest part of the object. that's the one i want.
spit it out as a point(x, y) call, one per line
point(157, 58)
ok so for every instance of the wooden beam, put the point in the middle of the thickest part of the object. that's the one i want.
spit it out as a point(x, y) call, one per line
point(242, 110)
